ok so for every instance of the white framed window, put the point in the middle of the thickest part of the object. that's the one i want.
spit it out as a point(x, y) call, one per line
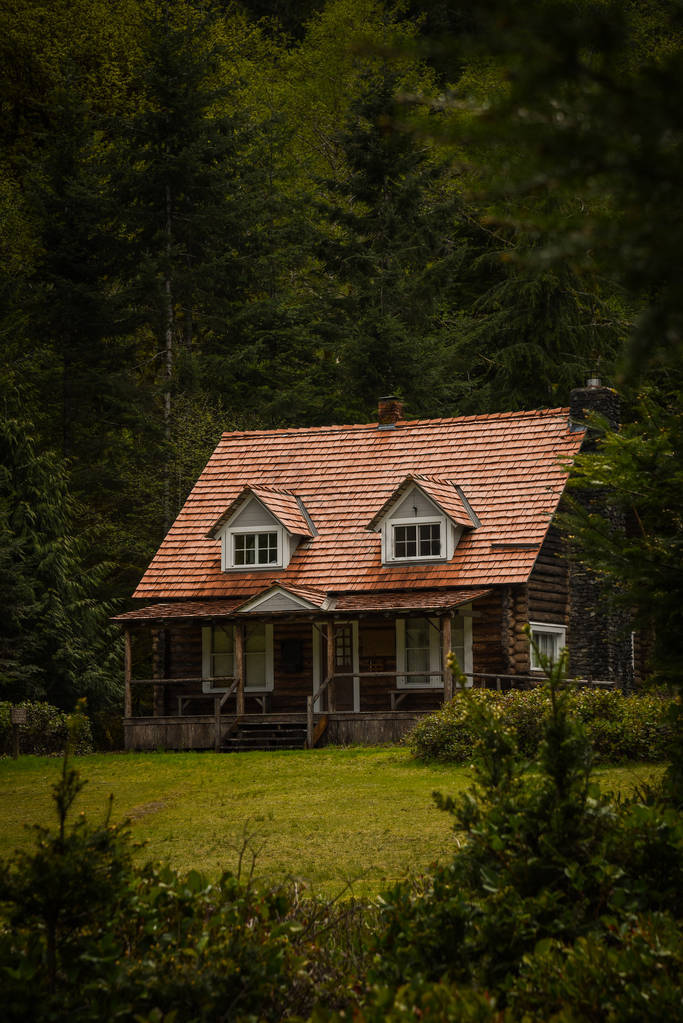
point(254, 548)
point(258, 657)
point(418, 652)
point(549, 639)
point(416, 540)
point(218, 657)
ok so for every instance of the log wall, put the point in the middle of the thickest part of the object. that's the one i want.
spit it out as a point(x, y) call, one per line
point(515, 606)
point(488, 650)
point(549, 582)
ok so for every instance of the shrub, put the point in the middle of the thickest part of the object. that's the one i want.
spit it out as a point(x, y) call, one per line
point(46, 730)
point(620, 728)
point(85, 935)
point(553, 885)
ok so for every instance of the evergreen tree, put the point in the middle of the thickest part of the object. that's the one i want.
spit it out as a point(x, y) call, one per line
point(391, 253)
point(55, 643)
point(183, 208)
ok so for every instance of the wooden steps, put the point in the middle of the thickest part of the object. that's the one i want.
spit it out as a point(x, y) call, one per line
point(266, 735)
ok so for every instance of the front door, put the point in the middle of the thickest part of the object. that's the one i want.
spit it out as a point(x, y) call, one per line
point(346, 683)
point(346, 687)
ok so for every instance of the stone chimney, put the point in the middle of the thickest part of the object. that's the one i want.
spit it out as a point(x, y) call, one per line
point(389, 411)
point(593, 398)
point(599, 630)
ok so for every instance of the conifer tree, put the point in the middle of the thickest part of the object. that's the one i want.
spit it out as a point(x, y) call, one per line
point(55, 642)
point(184, 217)
point(390, 250)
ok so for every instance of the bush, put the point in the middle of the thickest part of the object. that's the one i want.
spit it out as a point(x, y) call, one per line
point(560, 903)
point(46, 730)
point(620, 728)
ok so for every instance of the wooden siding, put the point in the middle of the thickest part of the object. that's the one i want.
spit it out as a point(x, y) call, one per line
point(549, 582)
point(488, 654)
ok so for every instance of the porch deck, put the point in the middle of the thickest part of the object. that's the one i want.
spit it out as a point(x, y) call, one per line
point(209, 732)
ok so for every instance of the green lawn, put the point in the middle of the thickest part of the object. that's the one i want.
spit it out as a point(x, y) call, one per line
point(330, 816)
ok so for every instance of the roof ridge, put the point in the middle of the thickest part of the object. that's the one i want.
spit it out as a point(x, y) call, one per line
point(344, 427)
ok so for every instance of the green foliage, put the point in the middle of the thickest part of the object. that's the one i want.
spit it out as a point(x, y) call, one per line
point(85, 935)
point(54, 638)
point(547, 871)
point(630, 972)
point(620, 728)
point(46, 730)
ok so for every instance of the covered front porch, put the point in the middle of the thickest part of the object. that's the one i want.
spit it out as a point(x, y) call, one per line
point(195, 675)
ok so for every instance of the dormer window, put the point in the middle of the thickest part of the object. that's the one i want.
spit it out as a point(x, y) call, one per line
point(255, 549)
point(423, 520)
point(261, 529)
point(416, 540)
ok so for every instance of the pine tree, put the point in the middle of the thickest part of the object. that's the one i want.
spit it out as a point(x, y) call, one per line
point(183, 208)
point(55, 643)
point(390, 251)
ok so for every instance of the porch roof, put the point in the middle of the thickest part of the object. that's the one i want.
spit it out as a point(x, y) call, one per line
point(344, 604)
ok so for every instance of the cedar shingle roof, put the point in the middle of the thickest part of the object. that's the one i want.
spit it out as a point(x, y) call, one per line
point(443, 492)
point(353, 603)
point(509, 466)
point(280, 503)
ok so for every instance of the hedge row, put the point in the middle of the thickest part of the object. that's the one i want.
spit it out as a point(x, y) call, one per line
point(620, 728)
point(45, 731)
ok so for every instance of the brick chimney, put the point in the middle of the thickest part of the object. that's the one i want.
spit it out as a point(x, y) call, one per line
point(389, 411)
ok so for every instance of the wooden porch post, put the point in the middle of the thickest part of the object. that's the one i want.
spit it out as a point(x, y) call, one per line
point(330, 665)
point(217, 724)
point(445, 651)
point(239, 665)
point(310, 722)
point(127, 672)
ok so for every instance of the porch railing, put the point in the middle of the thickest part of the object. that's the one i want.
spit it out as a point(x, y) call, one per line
point(479, 679)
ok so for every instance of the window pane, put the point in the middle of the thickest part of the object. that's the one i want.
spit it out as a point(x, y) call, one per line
point(267, 548)
point(222, 665)
point(417, 632)
point(405, 541)
point(223, 640)
point(417, 660)
point(548, 644)
point(430, 540)
point(255, 669)
point(417, 651)
point(256, 639)
point(245, 549)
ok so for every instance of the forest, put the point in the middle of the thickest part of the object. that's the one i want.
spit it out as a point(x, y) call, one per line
point(236, 215)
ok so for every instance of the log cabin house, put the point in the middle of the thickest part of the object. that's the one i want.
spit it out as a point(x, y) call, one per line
point(316, 579)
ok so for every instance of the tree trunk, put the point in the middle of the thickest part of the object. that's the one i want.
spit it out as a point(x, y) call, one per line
point(168, 366)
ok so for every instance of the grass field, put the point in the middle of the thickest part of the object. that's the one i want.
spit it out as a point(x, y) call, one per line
point(330, 817)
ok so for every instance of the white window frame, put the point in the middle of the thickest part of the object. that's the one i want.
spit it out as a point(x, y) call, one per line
point(228, 560)
point(267, 685)
point(207, 662)
point(560, 634)
point(434, 681)
point(208, 655)
point(389, 555)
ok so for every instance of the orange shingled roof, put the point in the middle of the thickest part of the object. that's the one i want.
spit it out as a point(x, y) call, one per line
point(511, 467)
point(284, 505)
point(444, 493)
